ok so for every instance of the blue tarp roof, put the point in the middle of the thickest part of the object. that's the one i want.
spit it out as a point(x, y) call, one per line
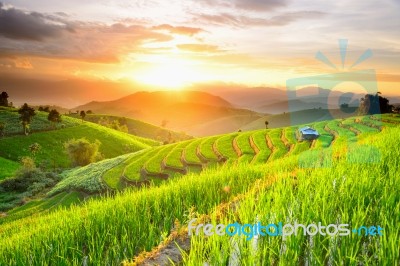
point(308, 130)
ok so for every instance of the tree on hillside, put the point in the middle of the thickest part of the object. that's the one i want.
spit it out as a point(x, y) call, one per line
point(82, 115)
point(81, 151)
point(374, 104)
point(54, 117)
point(4, 99)
point(266, 124)
point(44, 109)
point(26, 114)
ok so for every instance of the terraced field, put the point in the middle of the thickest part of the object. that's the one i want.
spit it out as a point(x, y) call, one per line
point(253, 147)
point(139, 226)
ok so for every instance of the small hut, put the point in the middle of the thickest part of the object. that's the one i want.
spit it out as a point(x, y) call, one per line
point(308, 133)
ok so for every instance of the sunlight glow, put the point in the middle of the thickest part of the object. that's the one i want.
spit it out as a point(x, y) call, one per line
point(171, 73)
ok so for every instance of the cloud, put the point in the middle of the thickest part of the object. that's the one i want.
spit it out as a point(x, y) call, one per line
point(283, 19)
point(19, 25)
point(260, 5)
point(198, 48)
point(33, 34)
point(182, 30)
point(252, 5)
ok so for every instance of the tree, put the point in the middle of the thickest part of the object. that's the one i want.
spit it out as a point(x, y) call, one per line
point(83, 115)
point(54, 117)
point(266, 124)
point(81, 151)
point(374, 104)
point(4, 99)
point(26, 114)
point(89, 112)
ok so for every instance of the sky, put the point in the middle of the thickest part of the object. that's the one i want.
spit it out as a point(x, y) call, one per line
point(175, 44)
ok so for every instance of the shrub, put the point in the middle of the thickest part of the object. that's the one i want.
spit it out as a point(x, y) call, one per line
point(81, 151)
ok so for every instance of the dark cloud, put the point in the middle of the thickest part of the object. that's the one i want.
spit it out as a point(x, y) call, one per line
point(19, 25)
point(223, 19)
point(32, 34)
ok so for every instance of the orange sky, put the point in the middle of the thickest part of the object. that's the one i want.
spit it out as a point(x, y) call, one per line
point(174, 44)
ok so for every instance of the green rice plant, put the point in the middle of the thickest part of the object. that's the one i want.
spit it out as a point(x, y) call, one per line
point(154, 164)
point(111, 229)
point(342, 132)
point(112, 177)
point(280, 149)
point(224, 145)
point(243, 143)
point(325, 138)
point(290, 135)
point(360, 127)
point(173, 159)
point(191, 152)
point(35, 207)
point(261, 143)
point(132, 172)
point(206, 148)
point(367, 120)
point(87, 178)
point(345, 193)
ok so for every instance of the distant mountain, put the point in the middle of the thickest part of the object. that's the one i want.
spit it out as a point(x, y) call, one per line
point(178, 110)
point(275, 101)
point(299, 117)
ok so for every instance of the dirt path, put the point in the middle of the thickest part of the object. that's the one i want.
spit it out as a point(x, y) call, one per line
point(285, 141)
point(221, 157)
point(348, 127)
point(270, 146)
point(236, 147)
point(254, 147)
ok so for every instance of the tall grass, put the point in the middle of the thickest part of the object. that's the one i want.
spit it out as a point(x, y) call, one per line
point(348, 192)
point(109, 230)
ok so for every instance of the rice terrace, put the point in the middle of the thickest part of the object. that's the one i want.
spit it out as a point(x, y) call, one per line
point(199, 133)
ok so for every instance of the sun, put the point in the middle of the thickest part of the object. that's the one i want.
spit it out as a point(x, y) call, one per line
point(170, 74)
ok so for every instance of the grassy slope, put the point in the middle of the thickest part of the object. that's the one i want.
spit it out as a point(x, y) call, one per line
point(8, 168)
point(142, 129)
point(111, 229)
point(113, 143)
point(10, 117)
